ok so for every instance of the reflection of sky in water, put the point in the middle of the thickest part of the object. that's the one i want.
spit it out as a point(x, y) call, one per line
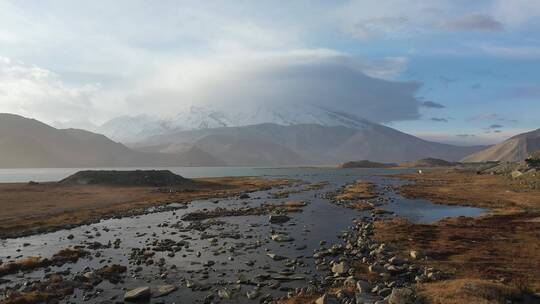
point(426, 212)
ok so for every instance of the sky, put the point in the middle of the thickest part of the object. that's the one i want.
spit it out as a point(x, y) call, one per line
point(463, 72)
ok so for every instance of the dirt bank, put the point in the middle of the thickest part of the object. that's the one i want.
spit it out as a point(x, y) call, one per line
point(35, 208)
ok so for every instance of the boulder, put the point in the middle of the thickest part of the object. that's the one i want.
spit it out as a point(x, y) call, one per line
point(281, 238)
point(340, 268)
point(224, 294)
point(278, 219)
point(414, 254)
point(349, 283)
point(252, 295)
point(276, 257)
point(402, 296)
point(376, 268)
point(137, 294)
point(363, 286)
point(164, 290)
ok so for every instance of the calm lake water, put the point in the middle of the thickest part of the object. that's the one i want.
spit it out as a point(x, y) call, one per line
point(55, 174)
point(240, 239)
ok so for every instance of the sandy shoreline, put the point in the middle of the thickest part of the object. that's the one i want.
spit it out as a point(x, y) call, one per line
point(30, 209)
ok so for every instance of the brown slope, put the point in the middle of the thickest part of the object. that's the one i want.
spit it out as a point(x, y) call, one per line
point(514, 149)
point(26, 143)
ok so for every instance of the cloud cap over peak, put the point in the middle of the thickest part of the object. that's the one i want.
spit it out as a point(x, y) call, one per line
point(323, 79)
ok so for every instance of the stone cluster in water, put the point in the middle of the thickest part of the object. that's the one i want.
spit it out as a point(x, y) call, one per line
point(390, 277)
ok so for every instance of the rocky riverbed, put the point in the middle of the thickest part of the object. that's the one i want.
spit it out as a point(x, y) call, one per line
point(259, 247)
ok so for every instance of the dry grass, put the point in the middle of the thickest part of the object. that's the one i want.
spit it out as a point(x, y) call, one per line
point(23, 264)
point(467, 291)
point(360, 190)
point(26, 207)
point(361, 205)
point(63, 256)
point(52, 290)
point(502, 247)
point(494, 192)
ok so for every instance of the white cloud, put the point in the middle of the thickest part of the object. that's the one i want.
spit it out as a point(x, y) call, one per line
point(153, 58)
point(319, 77)
point(249, 79)
point(516, 12)
point(33, 91)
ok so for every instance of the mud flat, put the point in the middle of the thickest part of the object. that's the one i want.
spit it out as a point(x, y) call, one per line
point(30, 208)
point(493, 258)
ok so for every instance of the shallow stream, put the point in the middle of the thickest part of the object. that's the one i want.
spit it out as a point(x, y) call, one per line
point(225, 250)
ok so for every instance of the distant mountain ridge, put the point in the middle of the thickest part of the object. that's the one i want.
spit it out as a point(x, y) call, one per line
point(514, 149)
point(303, 144)
point(28, 143)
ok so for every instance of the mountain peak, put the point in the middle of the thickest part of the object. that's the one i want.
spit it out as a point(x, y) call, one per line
point(195, 117)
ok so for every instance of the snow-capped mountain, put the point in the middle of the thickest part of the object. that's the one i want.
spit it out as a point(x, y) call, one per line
point(133, 128)
point(136, 128)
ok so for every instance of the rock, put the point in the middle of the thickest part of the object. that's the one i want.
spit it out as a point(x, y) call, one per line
point(376, 268)
point(340, 268)
point(402, 296)
point(209, 263)
point(363, 286)
point(278, 219)
point(396, 261)
point(516, 174)
point(90, 275)
point(414, 254)
point(252, 294)
point(384, 292)
point(164, 290)
point(281, 238)
point(349, 283)
point(224, 294)
point(327, 299)
point(244, 196)
point(137, 294)
point(276, 257)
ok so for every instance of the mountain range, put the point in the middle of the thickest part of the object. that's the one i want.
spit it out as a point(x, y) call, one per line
point(135, 128)
point(29, 143)
point(302, 144)
point(514, 149)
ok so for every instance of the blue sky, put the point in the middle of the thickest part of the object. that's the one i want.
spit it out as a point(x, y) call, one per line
point(463, 72)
